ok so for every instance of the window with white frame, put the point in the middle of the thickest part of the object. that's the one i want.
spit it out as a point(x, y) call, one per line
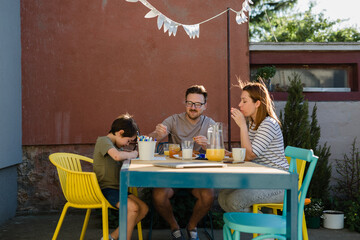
point(315, 78)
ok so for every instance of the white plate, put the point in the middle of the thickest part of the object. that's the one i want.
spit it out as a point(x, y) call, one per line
point(156, 158)
point(178, 157)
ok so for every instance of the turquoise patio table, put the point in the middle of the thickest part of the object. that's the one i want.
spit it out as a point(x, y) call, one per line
point(141, 173)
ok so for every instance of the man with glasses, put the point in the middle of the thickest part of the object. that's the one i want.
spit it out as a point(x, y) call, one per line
point(189, 125)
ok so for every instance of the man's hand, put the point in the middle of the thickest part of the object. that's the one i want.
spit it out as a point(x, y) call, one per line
point(201, 140)
point(161, 131)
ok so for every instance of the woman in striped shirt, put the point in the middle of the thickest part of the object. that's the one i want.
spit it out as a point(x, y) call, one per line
point(261, 135)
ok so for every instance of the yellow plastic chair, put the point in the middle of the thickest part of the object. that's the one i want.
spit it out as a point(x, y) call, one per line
point(300, 166)
point(82, 190)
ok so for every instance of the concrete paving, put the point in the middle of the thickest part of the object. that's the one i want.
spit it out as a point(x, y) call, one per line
point(41, 227)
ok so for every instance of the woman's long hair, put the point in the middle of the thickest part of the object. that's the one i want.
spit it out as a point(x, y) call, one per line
point(259, 92)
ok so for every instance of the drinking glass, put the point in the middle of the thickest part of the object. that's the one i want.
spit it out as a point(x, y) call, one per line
point(174, 149)
point(166, 149)
point(187, 149)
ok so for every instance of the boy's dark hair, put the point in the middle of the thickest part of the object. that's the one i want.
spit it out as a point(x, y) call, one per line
point(126, 123)
point(199, 89)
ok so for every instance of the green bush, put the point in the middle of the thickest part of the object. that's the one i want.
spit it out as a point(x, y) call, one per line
point(348, 179)
point(217, 219)
point(265, 73)
point(299, 131)
point(348, 186)
point(315, 208)
point(352, 215)
point(294, 121)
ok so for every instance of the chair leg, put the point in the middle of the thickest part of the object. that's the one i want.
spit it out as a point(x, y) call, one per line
point(105, 222)
point(58, 226)
point(236, 235)
point(211, 225)
point(304, 229)
point(211, 234)
point(255, 210)
point(140, 235)
point(226, 233)
point(86, 221)
point(134, 191)
point(152, 209)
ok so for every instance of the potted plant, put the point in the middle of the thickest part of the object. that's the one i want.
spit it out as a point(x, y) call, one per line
point(265, 74)
point(313, 212)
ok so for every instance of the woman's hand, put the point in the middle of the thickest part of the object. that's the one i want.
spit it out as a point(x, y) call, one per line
point(238, 117)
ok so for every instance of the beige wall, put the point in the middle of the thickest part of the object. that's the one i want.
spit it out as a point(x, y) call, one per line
point(339, 123)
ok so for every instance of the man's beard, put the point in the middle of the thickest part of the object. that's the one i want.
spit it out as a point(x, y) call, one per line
point(193, 118)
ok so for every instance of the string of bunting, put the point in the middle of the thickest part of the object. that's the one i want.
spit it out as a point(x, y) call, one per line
point(192, 30)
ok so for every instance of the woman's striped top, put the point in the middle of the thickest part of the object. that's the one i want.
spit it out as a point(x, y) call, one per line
point(268, 144)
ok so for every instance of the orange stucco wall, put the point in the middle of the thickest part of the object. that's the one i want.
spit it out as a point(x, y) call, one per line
point(85, 62)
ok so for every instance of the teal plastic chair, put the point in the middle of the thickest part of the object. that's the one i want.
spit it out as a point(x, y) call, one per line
point(269, 225)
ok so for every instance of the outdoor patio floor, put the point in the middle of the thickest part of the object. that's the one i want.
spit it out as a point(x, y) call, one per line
point(41, 227)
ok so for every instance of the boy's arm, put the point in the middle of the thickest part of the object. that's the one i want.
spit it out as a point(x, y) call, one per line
point(121, 155)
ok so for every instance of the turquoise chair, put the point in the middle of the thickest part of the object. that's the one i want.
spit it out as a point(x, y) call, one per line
point(269, 225)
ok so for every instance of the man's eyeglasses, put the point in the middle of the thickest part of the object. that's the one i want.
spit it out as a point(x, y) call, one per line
point(195, 104)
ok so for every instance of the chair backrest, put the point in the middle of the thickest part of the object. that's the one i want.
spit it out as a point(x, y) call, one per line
point(160, 148)
point(295, 154)
point(79, 188)
point(300, 168)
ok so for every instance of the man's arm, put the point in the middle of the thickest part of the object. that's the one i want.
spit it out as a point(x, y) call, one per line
point(160, 132)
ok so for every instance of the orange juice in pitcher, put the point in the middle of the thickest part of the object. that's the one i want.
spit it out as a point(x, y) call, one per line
point(215, 146)
point(215, 154)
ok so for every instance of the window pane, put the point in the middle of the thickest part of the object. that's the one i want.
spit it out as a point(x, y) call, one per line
point(311, 77)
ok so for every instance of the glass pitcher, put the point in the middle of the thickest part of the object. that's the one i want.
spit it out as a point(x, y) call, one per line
point(215, 147)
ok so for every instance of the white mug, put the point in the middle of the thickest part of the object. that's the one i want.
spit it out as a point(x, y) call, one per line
point(239, 154)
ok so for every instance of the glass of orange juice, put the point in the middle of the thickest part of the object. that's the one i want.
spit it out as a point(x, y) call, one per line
point(174, 149)
point(166, 149)
point(217, 154)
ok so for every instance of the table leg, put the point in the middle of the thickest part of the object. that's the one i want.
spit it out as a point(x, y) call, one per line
point(292, 211)
point(123, 201)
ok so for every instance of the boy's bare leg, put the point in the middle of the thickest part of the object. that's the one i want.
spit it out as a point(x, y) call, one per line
point(161, 200)
point(143, 208)
point(137, 210)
